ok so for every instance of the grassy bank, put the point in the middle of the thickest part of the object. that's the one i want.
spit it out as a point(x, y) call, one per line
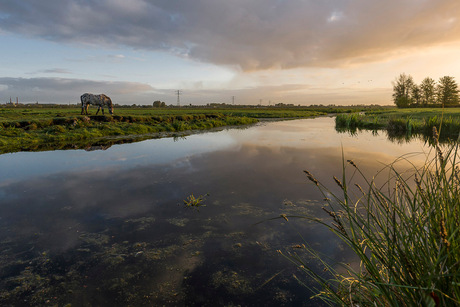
point(405, 236)
point(40, 127)
point(404, 121)
point(48, 130)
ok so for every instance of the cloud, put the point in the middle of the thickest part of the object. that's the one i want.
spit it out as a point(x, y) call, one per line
point(253, 35)
point(64, 90)
point(52, 71)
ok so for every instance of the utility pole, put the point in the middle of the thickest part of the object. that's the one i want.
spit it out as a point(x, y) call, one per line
point(178, 92)
point(233, 100)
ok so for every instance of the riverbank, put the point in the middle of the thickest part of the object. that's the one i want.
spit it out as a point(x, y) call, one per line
point(40, 128)
point(405, 122)
point(72, 132)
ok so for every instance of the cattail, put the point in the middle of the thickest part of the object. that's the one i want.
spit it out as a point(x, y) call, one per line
point(435, 135)
point(360, 189)
point(444, 233)
point(332, 214)
point(338, 182)
point(310, 176)
point(440, 155)
point(438, 149)
point(420, 189)
point(352, 163)
point(339, 226)
point(338, 223)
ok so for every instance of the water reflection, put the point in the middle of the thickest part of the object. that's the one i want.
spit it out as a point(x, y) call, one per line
point(110, 228)
point(401, 137)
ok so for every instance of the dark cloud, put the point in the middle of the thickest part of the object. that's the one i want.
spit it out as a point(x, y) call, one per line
point(256, 34)
point(64, 90)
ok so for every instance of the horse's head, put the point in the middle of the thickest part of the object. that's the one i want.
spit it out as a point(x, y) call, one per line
point(109, 104)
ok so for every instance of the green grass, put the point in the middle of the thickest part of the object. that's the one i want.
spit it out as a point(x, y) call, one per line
point(404, 122)
point(42, 127)
point(405, 235)
point(44, 130)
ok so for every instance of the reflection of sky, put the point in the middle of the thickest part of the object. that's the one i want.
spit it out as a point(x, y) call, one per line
point(305, 134)
point(131, 193)
point(21, 165)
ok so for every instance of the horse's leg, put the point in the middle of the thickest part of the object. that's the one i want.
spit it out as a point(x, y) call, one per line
point(98, 109)
point(86, 108)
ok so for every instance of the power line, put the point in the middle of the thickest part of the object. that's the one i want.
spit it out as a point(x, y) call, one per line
point(178, 93)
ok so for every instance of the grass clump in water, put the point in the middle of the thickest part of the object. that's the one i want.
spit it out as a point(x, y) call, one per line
point(195, 202)
point(405, 236)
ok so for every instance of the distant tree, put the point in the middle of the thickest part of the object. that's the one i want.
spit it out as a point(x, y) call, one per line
point(159, 104)
point(428, 91)
point(447, 91)
point(402, 88)
point(416, 94)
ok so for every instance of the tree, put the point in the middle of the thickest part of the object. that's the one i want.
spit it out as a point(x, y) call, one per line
point(416, 94)
point(159, 104)
point(428, 91)
point(447, 91)
point(402, 88)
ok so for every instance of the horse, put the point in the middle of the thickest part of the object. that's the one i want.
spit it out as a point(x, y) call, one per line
point(97, 100)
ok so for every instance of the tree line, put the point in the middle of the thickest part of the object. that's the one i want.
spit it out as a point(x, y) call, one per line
point(406, 93)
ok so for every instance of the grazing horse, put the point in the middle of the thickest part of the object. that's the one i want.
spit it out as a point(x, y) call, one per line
point(96, 100)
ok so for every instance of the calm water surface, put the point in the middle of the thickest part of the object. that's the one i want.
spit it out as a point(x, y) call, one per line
point(109, 227)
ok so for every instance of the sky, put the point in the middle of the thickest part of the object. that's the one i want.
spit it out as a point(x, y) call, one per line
point(302, 52)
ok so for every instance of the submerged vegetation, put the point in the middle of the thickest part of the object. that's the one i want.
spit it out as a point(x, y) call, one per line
point(405, 235)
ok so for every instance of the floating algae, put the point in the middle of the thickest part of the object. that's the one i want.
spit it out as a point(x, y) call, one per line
point(232, 282)
point(178, 222)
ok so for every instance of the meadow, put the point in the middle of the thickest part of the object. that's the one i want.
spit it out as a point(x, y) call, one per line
point(42, 127)
point(405, 122)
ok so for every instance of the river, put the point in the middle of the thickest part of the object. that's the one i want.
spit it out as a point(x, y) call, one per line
point(110, 227)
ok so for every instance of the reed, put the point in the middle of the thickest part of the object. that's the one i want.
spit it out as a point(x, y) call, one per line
point(405, 236)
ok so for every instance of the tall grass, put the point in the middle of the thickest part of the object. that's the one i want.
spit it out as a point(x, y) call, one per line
point(399, 123)
point(405, 235)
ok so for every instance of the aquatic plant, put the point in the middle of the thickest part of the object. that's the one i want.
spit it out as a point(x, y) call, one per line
point(404, 234)
point(195, 202)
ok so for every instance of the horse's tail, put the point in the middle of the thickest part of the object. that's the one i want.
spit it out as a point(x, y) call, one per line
point(83, 99)
point(84, 103)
